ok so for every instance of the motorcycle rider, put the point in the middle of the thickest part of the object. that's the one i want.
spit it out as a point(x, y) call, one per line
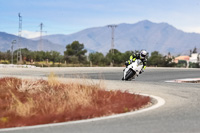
point(139, 55)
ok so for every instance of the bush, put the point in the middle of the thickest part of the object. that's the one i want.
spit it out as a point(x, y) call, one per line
point(182, 63)
point(194, 65)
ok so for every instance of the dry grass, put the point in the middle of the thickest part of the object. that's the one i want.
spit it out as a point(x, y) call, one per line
point(198, 81)
point(31, 102)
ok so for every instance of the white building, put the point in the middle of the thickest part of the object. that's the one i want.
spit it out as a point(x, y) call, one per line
point(195, 58)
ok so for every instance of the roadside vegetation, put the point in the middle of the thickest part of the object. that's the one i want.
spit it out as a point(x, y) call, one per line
point(75, 55)
point(197, 81)
point(32, 102)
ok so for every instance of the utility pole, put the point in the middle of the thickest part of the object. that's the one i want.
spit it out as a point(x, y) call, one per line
point(112, 37)
point(112, 41)
point(40, 47)
point(13, 42)
point(19, 52)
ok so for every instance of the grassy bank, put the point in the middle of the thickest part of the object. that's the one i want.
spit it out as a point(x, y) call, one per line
point(32, 102)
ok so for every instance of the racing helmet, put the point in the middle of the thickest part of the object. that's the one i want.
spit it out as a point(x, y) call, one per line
point(143, 54)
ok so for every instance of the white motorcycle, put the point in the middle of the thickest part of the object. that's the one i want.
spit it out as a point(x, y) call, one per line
point(133, 70)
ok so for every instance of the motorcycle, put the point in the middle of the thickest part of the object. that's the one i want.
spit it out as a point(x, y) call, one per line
point(133, 70)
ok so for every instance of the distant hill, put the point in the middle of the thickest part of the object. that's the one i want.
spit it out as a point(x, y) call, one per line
point(142, 35)
point(6, 42)
point(147, 35)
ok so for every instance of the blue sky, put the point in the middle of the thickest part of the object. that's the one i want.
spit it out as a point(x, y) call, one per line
point(70, 16)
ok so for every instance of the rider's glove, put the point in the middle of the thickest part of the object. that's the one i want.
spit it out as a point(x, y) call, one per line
point(126, 63)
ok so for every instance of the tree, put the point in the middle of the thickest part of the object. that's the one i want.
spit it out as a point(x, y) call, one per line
point(97, 58)
point(155, 59)
point(75, 50)
point(116, 57)
point(40, 55)
point(55, 56)
point(126, 55)
point(26, 54)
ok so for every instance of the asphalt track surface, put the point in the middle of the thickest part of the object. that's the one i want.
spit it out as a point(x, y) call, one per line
point(180, 114)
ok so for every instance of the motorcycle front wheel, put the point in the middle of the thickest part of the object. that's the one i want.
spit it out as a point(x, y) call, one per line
point(129, 74)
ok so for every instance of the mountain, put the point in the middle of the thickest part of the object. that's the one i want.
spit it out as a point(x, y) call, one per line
point(6, 42)
point(145, 34)
point(142, 35)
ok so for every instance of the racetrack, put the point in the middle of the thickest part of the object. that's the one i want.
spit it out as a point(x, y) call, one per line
point(181, 112)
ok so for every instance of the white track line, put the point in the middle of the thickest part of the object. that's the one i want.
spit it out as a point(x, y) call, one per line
point(182, 80)
point(160, 102)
